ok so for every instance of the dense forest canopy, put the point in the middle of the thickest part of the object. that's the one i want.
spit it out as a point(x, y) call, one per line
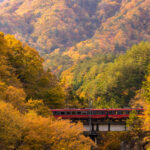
point(76, 38)
point(110, 80)
point(21, 67)
point(74, 30)
point(27, 93)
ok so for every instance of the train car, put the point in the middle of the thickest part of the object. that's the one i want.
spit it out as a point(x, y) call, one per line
point(70, 113)
point(79, 113)
point(123, 113)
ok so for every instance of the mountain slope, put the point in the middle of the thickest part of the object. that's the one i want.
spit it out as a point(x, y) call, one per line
point(74, 36)
point(120, 25)
point(21, 69)
point(129, 25)
point(49, 24)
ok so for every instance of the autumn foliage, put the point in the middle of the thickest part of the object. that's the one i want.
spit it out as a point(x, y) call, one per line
point(27, 92)
point(30, 131)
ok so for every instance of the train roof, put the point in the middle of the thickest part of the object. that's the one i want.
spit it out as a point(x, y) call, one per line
point(87, 109)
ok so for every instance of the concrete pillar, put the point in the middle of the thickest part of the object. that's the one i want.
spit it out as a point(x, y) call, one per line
point(108, 126)
point(92, 127)
point(97, 129)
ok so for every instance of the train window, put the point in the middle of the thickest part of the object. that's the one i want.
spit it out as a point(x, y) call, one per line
point(56, 112)
point(94, 112)
point(110, 112)
point(127, 112)
point(79, 112)
point(123, 112)
point(73, 113)
point(84, 112)
point(113, 112)
point(68, 112)
point(62, 113)
point(100, 112)
point(103, 112)
point(119, 112)
point(89, 112)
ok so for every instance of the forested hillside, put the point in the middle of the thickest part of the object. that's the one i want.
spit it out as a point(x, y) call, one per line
point(21, 71)
point(49, 24)
point(27, 93)
point(69, 54)
point(82, 42)
point(71, 30)
point(110, 80)
point(120, 25)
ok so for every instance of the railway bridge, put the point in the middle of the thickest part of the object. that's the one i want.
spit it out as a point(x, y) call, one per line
point(98, 120)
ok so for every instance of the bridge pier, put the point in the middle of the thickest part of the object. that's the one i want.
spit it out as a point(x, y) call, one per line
point(108, 126)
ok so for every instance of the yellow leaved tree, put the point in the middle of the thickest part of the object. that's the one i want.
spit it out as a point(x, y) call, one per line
point(31, 131)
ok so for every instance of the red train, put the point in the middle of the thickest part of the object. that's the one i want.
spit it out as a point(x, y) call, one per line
point(122, 113)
